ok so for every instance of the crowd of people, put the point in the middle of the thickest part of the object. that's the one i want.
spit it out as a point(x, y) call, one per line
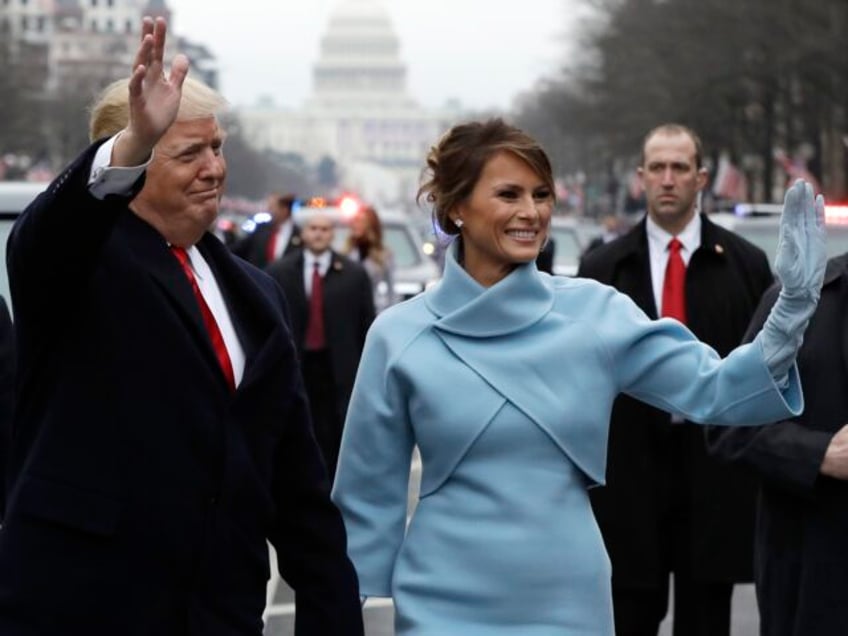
point(582, 439)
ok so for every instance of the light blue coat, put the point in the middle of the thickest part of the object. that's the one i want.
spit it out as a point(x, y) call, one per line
point(507, 393)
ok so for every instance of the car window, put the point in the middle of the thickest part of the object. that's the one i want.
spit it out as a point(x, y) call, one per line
point(764, 235)
point(6, 223)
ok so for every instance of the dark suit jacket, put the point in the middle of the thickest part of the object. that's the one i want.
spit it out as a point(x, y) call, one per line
point(7, 389)
point(545, 259)
point(348, 313)
point(254, 247)
point(724, 281)
point(801, 567)
point(143, 489)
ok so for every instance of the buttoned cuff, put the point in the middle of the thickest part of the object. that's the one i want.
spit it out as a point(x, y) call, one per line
point(106, 179)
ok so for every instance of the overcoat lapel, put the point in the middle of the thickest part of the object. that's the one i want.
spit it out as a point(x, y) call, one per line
point(151, 250)
point(635, 269)
point(531, 369)
point(252, 312)
point(300, 302)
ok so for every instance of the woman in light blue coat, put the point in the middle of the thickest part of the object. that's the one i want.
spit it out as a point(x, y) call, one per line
point(504, 378)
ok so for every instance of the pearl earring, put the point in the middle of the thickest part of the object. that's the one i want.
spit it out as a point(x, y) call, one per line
point(458, 223)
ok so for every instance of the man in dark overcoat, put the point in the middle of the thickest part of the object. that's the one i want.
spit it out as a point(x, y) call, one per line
point(161, 435)
point(801, 562)
point(346, 312)
point(273, 240)
point(668, 507)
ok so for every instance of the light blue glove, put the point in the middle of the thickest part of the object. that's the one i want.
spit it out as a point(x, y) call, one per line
point(800, 265)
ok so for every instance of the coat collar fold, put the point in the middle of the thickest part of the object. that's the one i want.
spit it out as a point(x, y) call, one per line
point(466, 308)
point(476, 323)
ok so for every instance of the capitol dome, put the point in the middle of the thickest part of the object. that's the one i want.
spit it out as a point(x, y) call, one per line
point(360, 56)
point(359, 113)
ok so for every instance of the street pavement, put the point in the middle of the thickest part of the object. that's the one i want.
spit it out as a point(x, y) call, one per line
point(279, 614)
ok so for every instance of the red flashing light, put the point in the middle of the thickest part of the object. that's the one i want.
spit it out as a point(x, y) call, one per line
point(349, 206)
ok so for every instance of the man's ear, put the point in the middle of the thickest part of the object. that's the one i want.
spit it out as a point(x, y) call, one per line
point(703, 178)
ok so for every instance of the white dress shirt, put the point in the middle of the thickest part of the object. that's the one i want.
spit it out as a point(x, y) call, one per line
point(658, 239)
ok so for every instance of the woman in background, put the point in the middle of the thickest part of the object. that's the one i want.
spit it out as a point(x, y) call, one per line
point(365, 244)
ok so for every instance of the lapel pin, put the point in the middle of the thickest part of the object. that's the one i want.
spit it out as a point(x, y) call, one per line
point(719, 249)
point(337, 266)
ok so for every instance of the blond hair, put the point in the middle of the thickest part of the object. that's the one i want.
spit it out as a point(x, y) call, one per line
point(110, 111)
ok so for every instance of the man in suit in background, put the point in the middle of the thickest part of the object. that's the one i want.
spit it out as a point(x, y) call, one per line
point(273, 240)
point(667, 506)
point(801, 567)
point(162, 434)
point(332, 307)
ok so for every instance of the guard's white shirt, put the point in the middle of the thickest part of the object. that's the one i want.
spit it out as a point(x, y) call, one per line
point(658, 239)
point(324, 259)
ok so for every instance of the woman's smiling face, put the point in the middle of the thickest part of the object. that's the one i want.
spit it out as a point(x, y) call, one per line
point(505, 219)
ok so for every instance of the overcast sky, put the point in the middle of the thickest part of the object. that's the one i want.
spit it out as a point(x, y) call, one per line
point(482, 52)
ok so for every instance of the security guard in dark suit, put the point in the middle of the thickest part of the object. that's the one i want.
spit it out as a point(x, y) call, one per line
point(668, 506)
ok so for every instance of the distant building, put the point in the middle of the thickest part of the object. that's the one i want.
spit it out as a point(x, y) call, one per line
point(359, 114)
point(86, 42)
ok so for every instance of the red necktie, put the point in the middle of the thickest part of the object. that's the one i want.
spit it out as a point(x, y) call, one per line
point(271, 247)
point(315, 339)
point(208, 319)
point(674, 285)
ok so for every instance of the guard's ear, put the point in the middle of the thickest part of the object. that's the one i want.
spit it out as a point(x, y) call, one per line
point(703, 178)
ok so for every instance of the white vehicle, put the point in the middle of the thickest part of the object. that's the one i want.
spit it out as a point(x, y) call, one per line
point(759, 223)
point(568, 238)
point(14, 197)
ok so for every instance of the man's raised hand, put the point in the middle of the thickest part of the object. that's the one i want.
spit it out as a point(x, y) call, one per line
point(154, 98)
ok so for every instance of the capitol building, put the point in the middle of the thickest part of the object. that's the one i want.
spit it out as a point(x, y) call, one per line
point(359, 113)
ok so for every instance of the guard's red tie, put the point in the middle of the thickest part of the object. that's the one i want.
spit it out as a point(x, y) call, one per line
point(674, 285)
point(315, 338)
point(208, 319)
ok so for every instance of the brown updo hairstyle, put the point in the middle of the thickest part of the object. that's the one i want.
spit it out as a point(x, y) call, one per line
point(455, 163)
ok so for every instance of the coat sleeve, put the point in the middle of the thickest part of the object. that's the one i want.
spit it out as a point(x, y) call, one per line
point(58, 239)
point(786, 453)
point(372, 479)
point(662, 363)
point(309, 535)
